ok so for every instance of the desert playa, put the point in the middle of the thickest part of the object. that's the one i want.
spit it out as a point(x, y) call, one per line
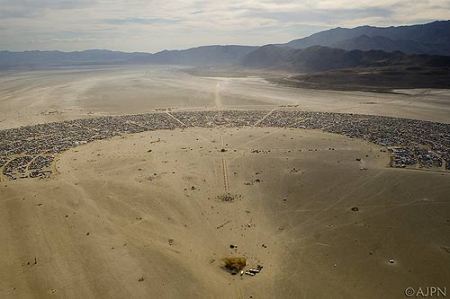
point(40, 96)
point(119, 220)
point(141, 214)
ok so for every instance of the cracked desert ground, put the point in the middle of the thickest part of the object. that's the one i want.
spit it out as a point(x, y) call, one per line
point(116, 220)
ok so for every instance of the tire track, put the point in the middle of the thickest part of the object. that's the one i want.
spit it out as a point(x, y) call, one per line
point(224, 169)
point(225, 175)
point(263, 118)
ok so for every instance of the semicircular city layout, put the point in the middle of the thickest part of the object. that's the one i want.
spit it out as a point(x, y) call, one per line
point(28, 152)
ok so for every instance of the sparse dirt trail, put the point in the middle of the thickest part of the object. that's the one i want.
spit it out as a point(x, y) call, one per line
point(219, 106)
point(263, 118)
point(225, 175)
point(176, 119)
point(224, 169)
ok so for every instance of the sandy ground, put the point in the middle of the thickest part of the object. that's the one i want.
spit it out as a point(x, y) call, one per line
point(117, 220)
point(43, 96)
point(120, 221)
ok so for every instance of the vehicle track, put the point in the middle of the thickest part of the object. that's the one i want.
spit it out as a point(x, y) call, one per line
point(224, 169)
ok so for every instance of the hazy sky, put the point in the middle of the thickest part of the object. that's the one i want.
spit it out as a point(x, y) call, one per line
point(153, 25)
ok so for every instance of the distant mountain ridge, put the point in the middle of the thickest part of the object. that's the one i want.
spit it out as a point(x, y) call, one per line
point(432, 38)
point(30, 59)
point(318, 59)
point(207, 55)
point(204, 56)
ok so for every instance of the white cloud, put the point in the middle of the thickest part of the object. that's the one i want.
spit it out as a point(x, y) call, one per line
point(138, 25)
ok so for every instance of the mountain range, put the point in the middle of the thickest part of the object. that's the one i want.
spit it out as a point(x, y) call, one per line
point(432, 38)
point(201, 56)
point(319, 59)
point(363, 46)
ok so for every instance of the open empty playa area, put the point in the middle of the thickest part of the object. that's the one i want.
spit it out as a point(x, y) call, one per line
point(191, 170)
point(30, 97)
point(141, 216)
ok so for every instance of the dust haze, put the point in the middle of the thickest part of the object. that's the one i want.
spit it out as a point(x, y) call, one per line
point(30, 97)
